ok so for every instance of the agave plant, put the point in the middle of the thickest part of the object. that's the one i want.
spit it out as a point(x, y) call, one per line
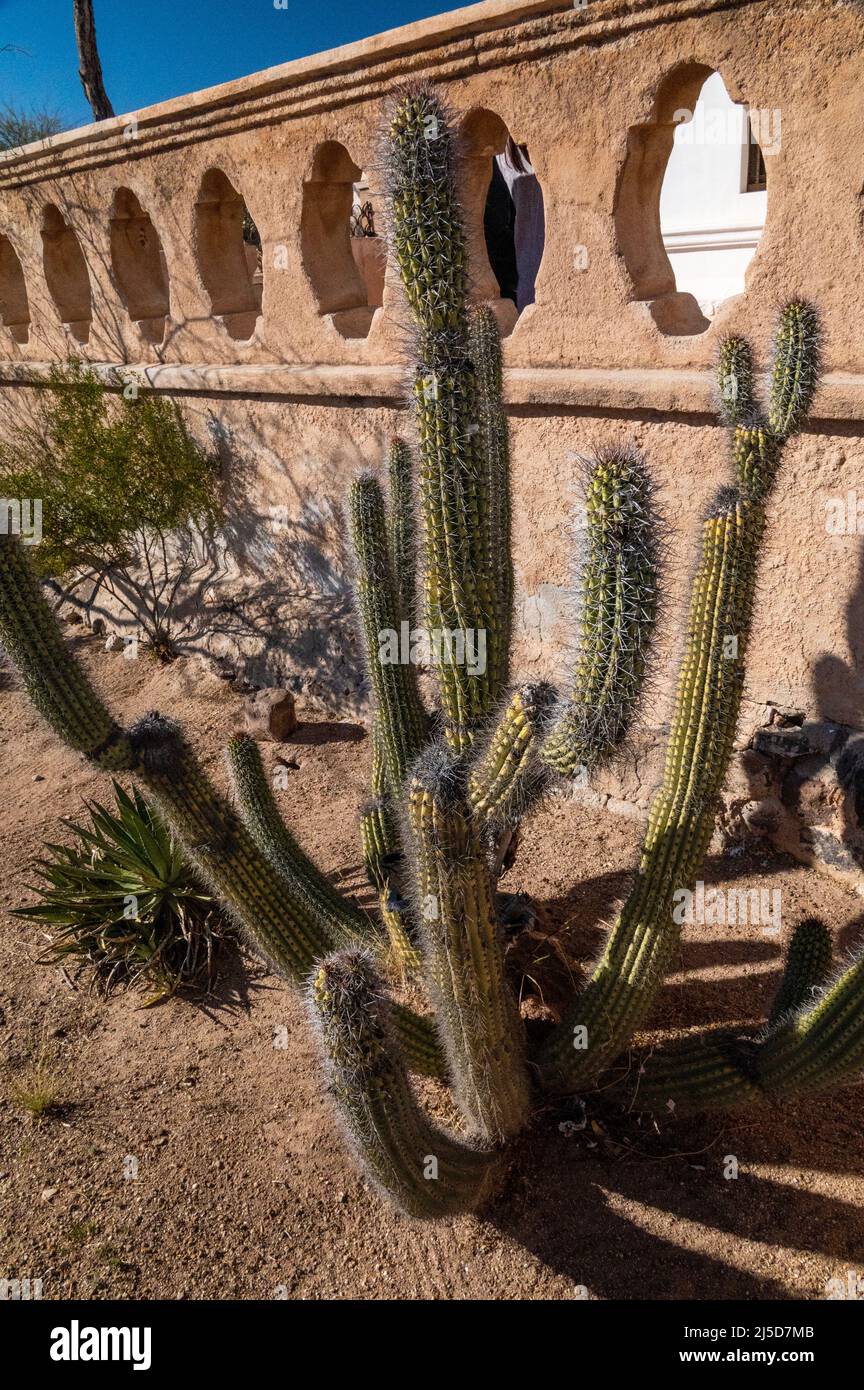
point(450, 782)
point(123, 900)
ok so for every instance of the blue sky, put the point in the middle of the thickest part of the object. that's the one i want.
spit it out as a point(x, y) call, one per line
point(155, 49)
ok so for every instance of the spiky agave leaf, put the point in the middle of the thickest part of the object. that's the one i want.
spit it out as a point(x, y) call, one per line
point(124, 899)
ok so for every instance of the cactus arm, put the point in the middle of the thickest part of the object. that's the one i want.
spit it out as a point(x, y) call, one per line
point(54, 680)
point(476, 1016)
point(343, 922)
point(400, 714)
point(713, 1073)
point(619, 603)
point(808, 963)
point(429, 249)
point(485, 347)
point(639, 948)
point(681, 819)
point(820, 1047)
point(418, 1040)
point(795, 373)
point(426, 1172)
point(403, 538)
point(383, 859)
point(503, 776)
point(816, 1046)
point(280, 924)
point(735, 383)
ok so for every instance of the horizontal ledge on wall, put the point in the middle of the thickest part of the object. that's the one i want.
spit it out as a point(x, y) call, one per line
point(840, 397)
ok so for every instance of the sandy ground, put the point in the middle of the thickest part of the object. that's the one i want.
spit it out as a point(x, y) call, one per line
point(243, 1189)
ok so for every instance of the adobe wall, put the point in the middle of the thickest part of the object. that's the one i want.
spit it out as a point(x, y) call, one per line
point(285, 368)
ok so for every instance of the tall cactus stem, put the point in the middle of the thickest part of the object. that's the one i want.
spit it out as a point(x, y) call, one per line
point(795, 373)
point(429, 248)
point(426, 1172)
point(403, 530)
point(475, 1012)
point(681, 819)
point(485, 346)
point(618, 613)
point(401, 718)
point(735, 382)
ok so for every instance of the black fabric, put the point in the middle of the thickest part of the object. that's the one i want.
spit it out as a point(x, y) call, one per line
point(499, 225)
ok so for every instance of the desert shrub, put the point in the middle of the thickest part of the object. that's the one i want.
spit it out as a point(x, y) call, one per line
point(123, 900)
point(129, 498)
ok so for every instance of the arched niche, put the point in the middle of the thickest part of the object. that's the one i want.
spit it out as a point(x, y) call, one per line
point(66, 273)
point(492, 212)
point(14, 308)
point(337, 280)
point(229, 254)
point(637, 203)
point(139, 265)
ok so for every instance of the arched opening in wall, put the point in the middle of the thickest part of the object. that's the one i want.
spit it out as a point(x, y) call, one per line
point(14, 309)
point(66, 273)
point(692, 199)
point(229, 255)
point(714, 198)
point(504, 216)
point(139, 265)
point(346, 274)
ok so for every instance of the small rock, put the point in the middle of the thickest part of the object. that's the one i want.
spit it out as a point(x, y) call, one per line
point(270, 714)
point(37, 777)
point(73, 616)
point(114, 643)
point(48, 1193)
point(97, 627)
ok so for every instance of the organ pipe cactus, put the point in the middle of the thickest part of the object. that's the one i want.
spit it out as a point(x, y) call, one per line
point(450, 782)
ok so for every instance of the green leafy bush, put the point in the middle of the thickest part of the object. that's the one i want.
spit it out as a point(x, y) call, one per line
point(129, 497)
point(123, 900)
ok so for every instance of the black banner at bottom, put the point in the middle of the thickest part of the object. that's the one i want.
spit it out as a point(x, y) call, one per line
point(81, 1340)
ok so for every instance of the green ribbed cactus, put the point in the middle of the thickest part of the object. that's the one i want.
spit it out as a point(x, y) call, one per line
point(450, 783)
point(426, 1172)
point(619, 599)
point(813, 1041)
